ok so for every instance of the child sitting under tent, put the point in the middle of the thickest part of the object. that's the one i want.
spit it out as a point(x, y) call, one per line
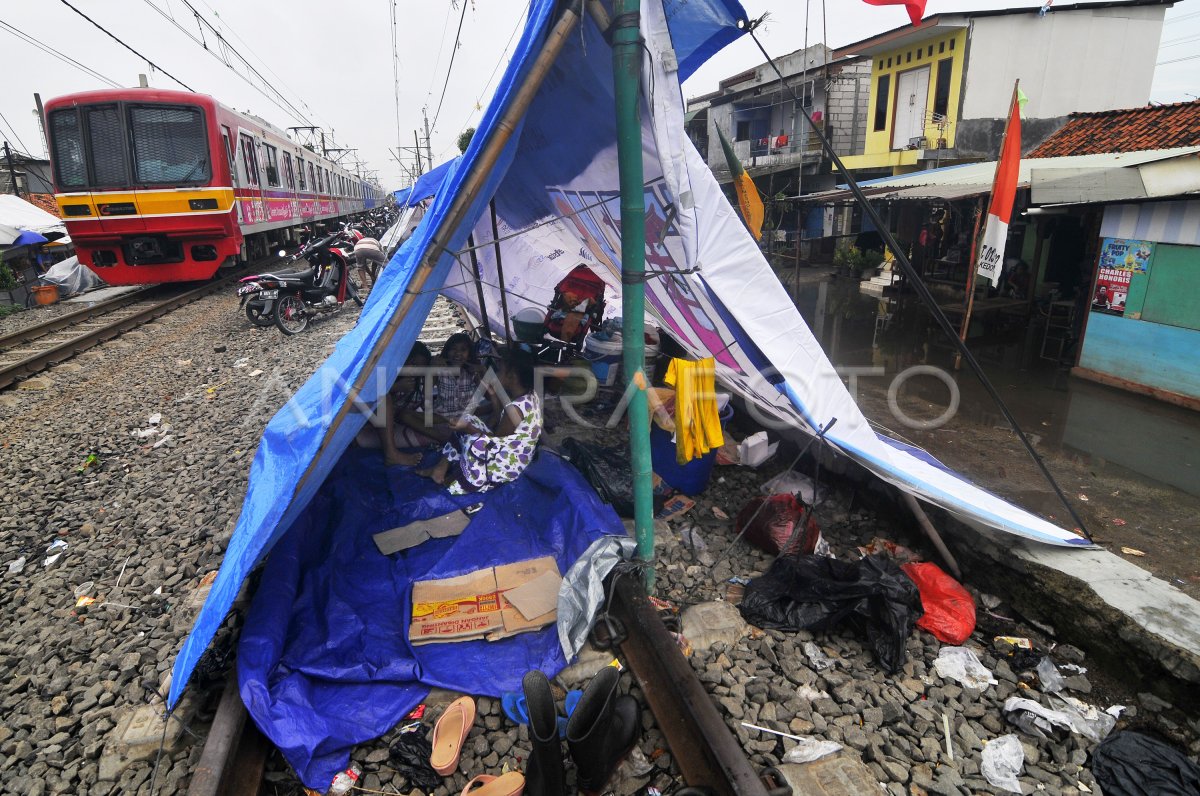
point(406, 395)
point(454, 387)
point(483, 458)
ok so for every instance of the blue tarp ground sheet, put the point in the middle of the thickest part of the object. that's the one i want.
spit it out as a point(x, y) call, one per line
point(324, 661)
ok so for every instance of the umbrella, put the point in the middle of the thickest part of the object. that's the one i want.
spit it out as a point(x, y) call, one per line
point(11, 236)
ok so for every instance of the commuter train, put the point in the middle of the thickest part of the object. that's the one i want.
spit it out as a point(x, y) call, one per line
point(169, 186)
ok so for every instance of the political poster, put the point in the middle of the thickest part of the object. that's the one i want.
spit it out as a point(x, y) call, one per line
point(1120, 259)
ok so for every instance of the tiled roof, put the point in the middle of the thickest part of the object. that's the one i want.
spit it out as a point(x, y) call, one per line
point(43, 200)
point(1129, 130)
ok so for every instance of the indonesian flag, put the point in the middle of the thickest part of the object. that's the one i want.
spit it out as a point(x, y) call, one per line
point(916, 8)
point(749, 201)
point(1004, 191)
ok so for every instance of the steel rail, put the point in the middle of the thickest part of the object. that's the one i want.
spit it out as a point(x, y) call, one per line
point(30, 333)
point(60, 352)
point(706, 751)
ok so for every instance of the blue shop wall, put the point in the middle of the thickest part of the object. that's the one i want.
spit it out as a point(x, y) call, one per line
point(1152, 354)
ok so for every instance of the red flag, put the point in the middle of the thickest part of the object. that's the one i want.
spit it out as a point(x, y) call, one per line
point(916, 8)
point(1004, 191)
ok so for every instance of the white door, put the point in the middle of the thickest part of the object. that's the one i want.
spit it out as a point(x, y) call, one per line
point(912, 94)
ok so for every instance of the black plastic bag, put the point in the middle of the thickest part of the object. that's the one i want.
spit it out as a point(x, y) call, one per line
point(817, 593)
point(410, 757)
point(608, 471)
point(1131, 764)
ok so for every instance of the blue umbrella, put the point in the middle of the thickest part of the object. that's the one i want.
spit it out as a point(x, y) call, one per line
point(29, 238)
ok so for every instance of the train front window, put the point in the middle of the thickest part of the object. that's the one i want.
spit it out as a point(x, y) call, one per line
point(170, 145)
point(107, 140)
point(70, 166)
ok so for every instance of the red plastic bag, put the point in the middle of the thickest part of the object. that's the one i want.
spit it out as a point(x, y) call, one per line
point(949, 608)
point(772, 520)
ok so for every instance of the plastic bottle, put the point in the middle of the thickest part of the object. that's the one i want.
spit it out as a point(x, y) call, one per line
point(343, 781)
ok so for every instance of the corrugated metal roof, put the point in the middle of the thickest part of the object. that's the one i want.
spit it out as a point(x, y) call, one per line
point(970, 179)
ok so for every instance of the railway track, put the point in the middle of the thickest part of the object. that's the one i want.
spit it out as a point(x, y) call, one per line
point(34, 348)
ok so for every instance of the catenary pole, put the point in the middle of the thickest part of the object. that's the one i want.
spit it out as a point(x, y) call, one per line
point(627, 69)
point(12, 172)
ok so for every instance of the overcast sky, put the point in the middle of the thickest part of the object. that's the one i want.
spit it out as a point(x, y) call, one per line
point(333, 63)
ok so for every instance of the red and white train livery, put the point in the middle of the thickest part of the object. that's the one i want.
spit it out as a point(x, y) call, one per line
point(163, 186)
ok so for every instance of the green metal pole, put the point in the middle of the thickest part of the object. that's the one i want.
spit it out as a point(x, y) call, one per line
point(627, 69)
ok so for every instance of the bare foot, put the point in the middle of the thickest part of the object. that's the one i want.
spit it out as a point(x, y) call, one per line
point(406, 459)
point(439, 471)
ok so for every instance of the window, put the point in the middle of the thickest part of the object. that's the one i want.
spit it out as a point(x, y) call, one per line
point(882, 92)
point(300, 172)
point(170, 145)
point(272, 165)
point(312, 178)
point(289, 176)
point(227, 141)
point(941, 46)
point(952, 44)
point(320, 180)
point(908, 57)
point(107, 142)
point(930, 53)
point(743, 131)
point(249, 159)
point(70, 167)
point(941, 96)
point(889, 63)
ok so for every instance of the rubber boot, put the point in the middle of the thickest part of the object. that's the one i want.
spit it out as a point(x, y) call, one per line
point(544, 772)
point(601, 731)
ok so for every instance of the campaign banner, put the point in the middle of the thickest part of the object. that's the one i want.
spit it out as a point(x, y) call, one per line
point(1119, 260)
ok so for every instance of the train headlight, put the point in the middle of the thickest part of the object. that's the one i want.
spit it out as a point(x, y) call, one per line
point(202, 204)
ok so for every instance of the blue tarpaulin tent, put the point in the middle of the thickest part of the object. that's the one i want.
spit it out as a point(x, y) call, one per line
point(426, 186)
point(544, 157)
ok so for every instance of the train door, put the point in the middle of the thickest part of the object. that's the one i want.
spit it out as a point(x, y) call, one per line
point(251, 200)
point(234, 178)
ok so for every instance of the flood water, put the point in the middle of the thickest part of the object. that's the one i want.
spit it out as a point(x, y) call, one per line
point(877, 338)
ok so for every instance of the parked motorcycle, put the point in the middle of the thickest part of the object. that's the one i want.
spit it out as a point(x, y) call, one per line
point(322, 288)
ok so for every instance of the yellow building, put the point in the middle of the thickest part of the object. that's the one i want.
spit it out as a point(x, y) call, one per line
point(940, 92)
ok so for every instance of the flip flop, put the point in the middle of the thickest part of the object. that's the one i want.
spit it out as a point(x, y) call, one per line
point(510, 784)
point(449, 733)
point(514, 707)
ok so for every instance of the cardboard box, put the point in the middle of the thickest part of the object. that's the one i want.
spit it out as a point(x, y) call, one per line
point(473, 606)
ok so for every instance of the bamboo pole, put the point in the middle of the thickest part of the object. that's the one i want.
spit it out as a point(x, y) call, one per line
point(493, 148)
point(972, 264)
point(627, 69)
point(500, 273)
point(483, 313)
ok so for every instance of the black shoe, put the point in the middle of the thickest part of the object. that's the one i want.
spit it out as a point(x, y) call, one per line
point(601, 731)
point(544, 772)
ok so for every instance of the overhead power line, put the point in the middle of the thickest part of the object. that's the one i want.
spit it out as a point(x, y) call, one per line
point(30, 40)
point(450, 68)
point(1177, 60)
point(13, 130)
point(126, 46)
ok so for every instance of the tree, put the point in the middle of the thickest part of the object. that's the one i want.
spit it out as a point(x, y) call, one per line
point(464, 139)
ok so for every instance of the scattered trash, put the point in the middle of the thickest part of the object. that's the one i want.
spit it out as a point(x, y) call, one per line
point(815, 592)
point(143, 433)
point(16, 567)
point(692, 538)
point(946, 730)
point(416, 713)
point(990, 601)
point(675, 507)
point(807, 750)
point(1007, 644)
point(162, 441)
point(1118, 521)
point(1132, 551)
point(811, 694)
point(949, 608)
point(635, 765)
point(897, 552)
point(1072, 668)
point(183, 363)
point(1133, 763)
point(84, 589)
point(1047, 672)
point(719, 514)
point(819, 660)
point(1083, 497)
point(962, 665)
point(255, 372)
point(769, 523)
point(1003, 760)
point(754, 450)
point(607, 470)
point(410, 757)
point(84, 602)
point(91, 460)
point(242, 362)
point(1069, 715)
point(1116, 710)
point(155, 419)
point(343, 781)
point(790, 482)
